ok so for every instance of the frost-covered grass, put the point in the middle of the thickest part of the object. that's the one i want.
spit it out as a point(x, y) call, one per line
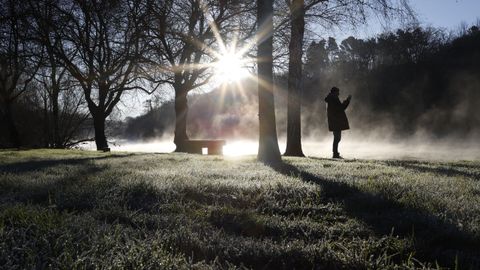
point(88, 210)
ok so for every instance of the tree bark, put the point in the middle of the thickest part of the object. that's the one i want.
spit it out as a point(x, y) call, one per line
point(12, 128)
point(46, 124)
point(294, 132)
point(99, 126)
point(57, 143)
point(268, 151)
point(181, 111)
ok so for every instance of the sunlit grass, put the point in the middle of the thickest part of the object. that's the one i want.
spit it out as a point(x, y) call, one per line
point(80, 209)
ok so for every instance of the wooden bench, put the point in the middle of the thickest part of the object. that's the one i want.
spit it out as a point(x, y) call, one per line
point(214, 147)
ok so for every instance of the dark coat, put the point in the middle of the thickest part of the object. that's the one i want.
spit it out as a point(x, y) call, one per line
point(337, 119)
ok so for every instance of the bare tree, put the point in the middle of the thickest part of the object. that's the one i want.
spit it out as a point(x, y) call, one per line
point(268, 151)
point(64, 105)
point(100, 45)
point(187, 38)
point(52, 76)
point(17, 69)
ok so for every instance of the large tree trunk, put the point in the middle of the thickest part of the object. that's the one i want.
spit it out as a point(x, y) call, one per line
point(13, 134)
point(294, 132)
point(46, 124)
point(99, 126)
point(181, 110)
point(268, 151)
point(56, 125)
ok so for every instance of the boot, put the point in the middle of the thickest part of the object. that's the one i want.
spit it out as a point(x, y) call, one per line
point(337, 155)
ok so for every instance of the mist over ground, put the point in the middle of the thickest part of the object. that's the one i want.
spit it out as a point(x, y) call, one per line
point(351, 147)
point(413, 89)
point(416, 94)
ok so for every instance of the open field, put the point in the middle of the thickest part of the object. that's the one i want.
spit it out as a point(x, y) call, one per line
point(87, 210)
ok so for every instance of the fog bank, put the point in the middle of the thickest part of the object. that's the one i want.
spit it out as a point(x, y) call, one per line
point(350, 148)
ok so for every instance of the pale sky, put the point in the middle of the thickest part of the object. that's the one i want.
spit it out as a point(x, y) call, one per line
point(446, 14)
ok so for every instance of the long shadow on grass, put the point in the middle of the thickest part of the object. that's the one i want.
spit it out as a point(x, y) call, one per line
point(78, 190)
point(38, 165)
point(443, 169)
point(435, 239)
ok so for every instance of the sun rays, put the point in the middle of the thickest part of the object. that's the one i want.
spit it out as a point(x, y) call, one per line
point(227, 59)
point(231, 67)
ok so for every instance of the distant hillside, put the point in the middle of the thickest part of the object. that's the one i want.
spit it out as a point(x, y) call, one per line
point(227, 112)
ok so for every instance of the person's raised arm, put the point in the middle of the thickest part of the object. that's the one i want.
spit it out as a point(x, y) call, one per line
point(346, 102)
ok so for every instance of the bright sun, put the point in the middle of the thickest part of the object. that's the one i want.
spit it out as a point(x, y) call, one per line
point(230, 68)
point(240, 148)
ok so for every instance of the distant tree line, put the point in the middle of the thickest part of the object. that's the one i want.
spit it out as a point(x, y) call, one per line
point(406, 81)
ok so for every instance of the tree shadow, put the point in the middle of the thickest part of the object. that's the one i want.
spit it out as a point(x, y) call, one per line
point(443, 169)
point(78, 190)
point(38, 165)
point(435, 239)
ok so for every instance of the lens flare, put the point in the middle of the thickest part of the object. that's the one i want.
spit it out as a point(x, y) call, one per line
point(230, 68)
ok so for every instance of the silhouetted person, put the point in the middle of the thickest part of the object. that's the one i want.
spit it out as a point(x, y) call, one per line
point(337, 119)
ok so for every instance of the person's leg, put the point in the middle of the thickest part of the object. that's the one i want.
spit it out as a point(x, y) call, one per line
point(337, 136)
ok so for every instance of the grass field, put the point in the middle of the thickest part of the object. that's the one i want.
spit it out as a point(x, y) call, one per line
point(87, 210)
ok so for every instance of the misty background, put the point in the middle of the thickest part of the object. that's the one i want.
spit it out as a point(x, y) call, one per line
point(410, 87)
